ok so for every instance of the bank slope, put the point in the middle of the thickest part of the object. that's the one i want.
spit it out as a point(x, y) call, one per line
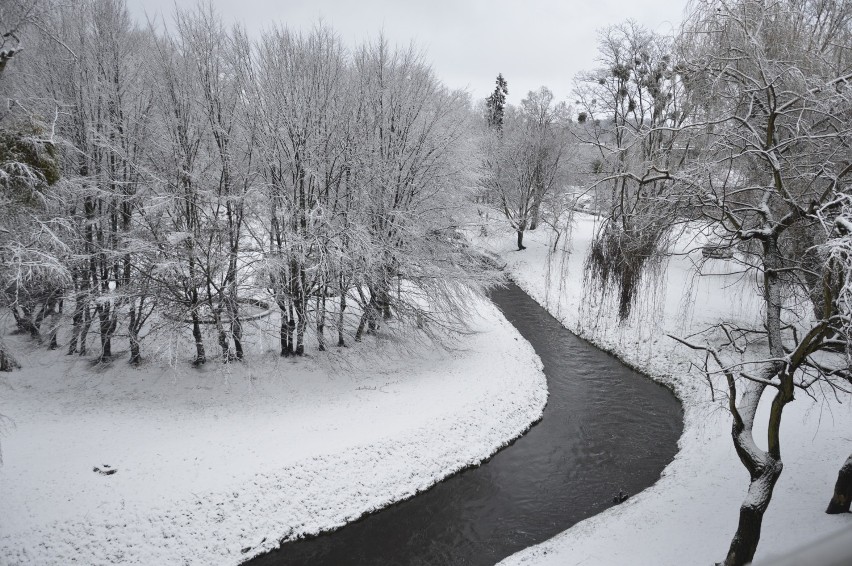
point(690, 514)
point(218, 465)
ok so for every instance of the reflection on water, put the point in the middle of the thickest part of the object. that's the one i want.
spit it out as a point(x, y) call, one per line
point(605, 428)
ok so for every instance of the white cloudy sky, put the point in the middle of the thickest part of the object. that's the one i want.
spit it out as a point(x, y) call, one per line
point(532, 42)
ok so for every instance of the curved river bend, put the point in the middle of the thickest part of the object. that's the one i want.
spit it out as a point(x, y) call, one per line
point(605, 428)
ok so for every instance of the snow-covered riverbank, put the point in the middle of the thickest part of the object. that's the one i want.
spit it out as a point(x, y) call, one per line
point(689, 516)
point(215, 466)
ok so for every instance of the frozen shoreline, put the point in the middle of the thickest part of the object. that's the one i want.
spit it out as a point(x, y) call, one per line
point(689, 515)
point(216, 467)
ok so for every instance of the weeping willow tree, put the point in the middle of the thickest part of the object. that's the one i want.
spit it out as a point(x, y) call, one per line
point(631, 109)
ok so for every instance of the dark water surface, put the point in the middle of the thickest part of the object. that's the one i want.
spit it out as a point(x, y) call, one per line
point(605, 428)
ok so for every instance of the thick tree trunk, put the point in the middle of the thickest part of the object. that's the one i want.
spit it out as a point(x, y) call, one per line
point(237, 333)
point(360, 331)
point(41, 312)
point(764, 467)
point(106, 331)
point(288, 326)
point(7, 362)
point(535, 212)
point(373, 311)
point(200, 355)
point(842, 490)
point(521, 240)
point(135, 354)
point(133, 326)
point(744, 544)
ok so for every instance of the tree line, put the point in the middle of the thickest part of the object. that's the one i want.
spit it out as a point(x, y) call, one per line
point(182, 177)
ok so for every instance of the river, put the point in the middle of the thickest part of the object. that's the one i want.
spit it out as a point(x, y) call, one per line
point(606, 428)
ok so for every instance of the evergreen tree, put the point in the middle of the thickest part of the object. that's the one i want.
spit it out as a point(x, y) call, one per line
point(495, 103)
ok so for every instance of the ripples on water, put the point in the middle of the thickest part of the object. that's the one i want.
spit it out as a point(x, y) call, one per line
point(605, 428)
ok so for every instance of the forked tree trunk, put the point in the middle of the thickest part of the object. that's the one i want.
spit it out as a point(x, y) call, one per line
point(288, 325)
point(521, 240)
point(842, 490)
point(367, 317)
point(764, 467)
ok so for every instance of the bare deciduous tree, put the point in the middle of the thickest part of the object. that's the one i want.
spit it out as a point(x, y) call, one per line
point(524, 159)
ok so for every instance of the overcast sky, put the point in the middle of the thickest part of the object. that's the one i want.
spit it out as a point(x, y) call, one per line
point(532, 42)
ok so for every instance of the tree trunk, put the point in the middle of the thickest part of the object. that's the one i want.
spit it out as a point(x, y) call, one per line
point(521, 240)
point(133, 332)
point(200, 355)
point(340, 341)
point(84, 329)
point(842, 490)
point(26, 321)
point(321, 322)
point(77, 316)
point(535, 211)
point(744, 544)
point(237, 333)
point(288, 325)
point(105, 332)
point(55, 312)
point(360, 331)
point(301, 323)
point(7, 362)
point(764, 467)
point(41, 312)
point(366, 317)
point(135, 355)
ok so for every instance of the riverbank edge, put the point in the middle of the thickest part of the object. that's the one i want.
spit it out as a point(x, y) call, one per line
point(305, 498)
point(689, 514)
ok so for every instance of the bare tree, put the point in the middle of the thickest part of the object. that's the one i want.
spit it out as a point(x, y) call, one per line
point(630, 110)
point(524, 160)
point(773, 167)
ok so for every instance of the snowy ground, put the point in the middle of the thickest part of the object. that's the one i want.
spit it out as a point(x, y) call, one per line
point(689, 516)
point(216, 466)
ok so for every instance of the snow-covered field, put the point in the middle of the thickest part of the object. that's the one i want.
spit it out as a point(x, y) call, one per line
point(217, 465)
point(689, 516)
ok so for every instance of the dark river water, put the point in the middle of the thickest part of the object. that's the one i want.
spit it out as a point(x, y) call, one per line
point(606, 428)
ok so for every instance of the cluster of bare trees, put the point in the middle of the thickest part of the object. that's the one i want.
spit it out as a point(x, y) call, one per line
point(740, 126)
point(631, 111)
point(189, 178)
point(525, 150)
